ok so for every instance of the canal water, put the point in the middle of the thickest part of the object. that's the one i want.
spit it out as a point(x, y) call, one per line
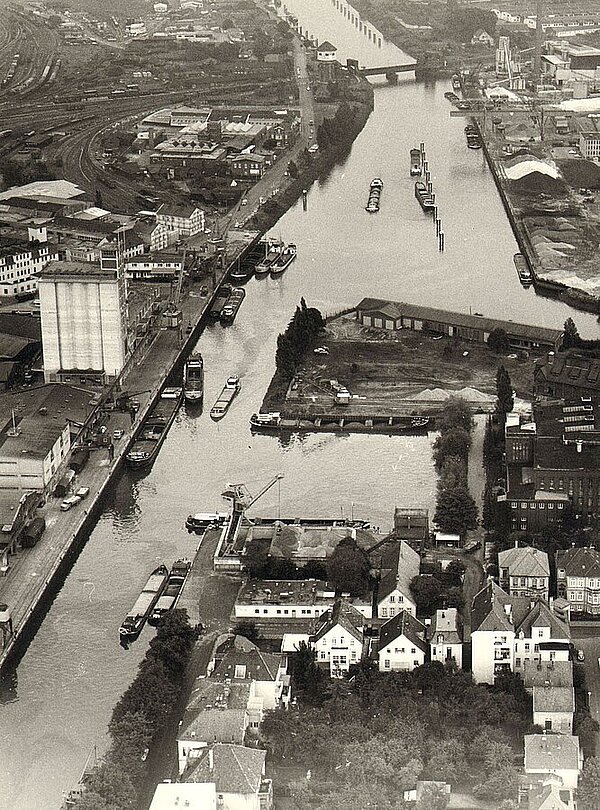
point(57, 705)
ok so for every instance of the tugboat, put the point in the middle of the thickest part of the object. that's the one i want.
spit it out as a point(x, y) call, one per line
point(272, 250)
point(423, 196)
point(265, 421)
point(154, 429)
point(193, 379)
point(234, 302)
point(375, 190)
point(523, 271)
point(136, 618)
point(230, 390)
point(168, 599)
point(283, 261)
point(415, 163)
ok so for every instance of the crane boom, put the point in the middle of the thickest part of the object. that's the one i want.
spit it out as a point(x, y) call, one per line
point(266, 488)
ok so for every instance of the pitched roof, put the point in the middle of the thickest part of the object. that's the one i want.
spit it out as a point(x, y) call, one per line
point(553, 673)
point(403, 563)
point(546, 752)
point(250, 664)
point(494, 610)
point(547, 797)
point(525, 561)
point(540, 615)
point(233, 768)
point(343, 614)
point(579, 562)
point(572, 370)
point(553, 699)
point(488, 611)
point(403, 624)
point(446, 622)
point(326, 46)
point(215, 725)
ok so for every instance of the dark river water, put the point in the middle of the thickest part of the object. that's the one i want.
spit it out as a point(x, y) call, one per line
point(61, 697)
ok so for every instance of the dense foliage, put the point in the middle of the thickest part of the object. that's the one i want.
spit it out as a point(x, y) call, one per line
point(139, 715)
point(297, 338)
point(348, 568)
point(504, 391)
point(371, 738)
point(438, 589)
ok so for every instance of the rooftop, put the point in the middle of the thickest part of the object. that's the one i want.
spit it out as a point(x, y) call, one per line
point(81, 271)
point(400, 563)
point(525, 561)
point(232, 768)
point(546, 752)
point(447, 622)
point(403, 624)
point(178, 796)
point(313, 543)
point(553, 699)
point(551, 673)
point(245, 662)
point(344, 615)
point(579, 562)
point(44, 188)
point(214, 725)
point(494, 610)
point(289, 592)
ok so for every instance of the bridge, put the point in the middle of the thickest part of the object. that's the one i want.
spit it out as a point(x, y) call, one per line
point(389, 71)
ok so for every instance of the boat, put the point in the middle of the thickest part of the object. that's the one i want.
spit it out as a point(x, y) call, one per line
point(154, 429)
point(415, 163)
point(474, 140)
point(425, 199)
point(193, 379)
point(170, 594)
point(201, 522)
point(283, 261)
point(234, 302)
point(456, 82)
point(264, 421)
point(450, 96)
point(136, 618)
point(375, 190)
point(523, 271)
point(230, 391)
point(220, 300)
point(240, 273)
point(272, 250)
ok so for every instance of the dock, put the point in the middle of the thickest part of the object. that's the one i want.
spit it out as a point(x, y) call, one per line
point(36, 574)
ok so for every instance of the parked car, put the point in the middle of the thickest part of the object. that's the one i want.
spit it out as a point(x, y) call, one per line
point(117, 434)
point(69, 503)
point(580, 655)
point(82, 492)
point(321, 350)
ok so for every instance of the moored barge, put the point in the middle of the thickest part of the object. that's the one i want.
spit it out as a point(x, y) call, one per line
point(137, 616)
point(154, 429)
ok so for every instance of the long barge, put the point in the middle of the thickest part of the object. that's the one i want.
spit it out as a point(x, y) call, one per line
point(154, 429)
point(283, 261)
point(375, 189)
point(229, 392)
point(193, 379)
point(135, 620)
point(424, 197)
point(234, 302)
point(219, 302)
point(333, 423)
point(170, 594)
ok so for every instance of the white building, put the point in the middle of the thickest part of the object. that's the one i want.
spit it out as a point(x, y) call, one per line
point(553, 708)
point(589, 145)
point(238, 774)
point(162, 266)
point(559, 754)
point(445, 638)
point(182, 220)
point(578, 579)
point(176, 796)
point(398, 567)
point(84, 320)
point(524, 571)
point(326, 52)
point(338, 638)
point(508, 631)
point(402, 644)
point(20, 262)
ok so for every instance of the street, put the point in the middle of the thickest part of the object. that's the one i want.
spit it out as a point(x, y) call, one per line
point(591, 649)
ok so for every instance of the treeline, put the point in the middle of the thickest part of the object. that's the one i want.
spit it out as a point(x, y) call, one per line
point(297, 338)
point(139, 716)
point(572, 340)
point(367, 739)
point(456, 511)
point(339, 130)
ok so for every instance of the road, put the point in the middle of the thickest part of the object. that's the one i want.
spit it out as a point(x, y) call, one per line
point(591, 648)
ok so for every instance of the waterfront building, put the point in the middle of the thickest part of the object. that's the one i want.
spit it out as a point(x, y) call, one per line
point(237, 773)
point(160, 266)
point(399, 565)
point(508, 631)
point(550, 754)
point(249, 166)
point(84, 320)
point(524, 571)
point(566, 375)
point(552, 463)
point(411, 525)
point(182, 220)
point(578, 579)
point(445, 637)
point(402, 644)
point(326, 52)
point(393, 315)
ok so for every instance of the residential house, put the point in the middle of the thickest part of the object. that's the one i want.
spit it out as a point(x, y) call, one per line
point(238, 774)
point(20, 261)
point(553, 708)
point(507, 631)
point(399, 565)
point(550, 795)
point(578, 579)
point(559, 754)
point(177, 796)
point(129, 243)
point(203, 727)
point(445, 637)
point(524, 571)
point(402, 644)
point(547, 673)
point(182, 220)
point(338, 638)
point(248, 166)
point(481, 37)
point(566, 375)
point(155, 235)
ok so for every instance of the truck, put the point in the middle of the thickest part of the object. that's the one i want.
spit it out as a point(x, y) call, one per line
point(32, 532)
point(64, 485)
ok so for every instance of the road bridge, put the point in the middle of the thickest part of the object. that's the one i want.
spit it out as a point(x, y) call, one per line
point(389, 71)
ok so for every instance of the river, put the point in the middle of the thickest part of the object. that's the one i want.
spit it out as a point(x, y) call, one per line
point(58, 703)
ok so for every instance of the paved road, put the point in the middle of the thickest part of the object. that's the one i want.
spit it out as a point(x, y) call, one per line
point(591, 648)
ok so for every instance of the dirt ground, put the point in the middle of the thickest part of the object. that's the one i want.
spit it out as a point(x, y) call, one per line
point(380, 367)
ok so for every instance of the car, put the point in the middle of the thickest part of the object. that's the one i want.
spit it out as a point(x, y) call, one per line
point(82, 492)
point(244, 201)
point(321, 350)
point(437, 337)
point(314, 148)
point(311, 123)
point(580, 655)
point(308, 87)
point(512, 356)
point(69, 503)
point(118, 434)
point(262, 200)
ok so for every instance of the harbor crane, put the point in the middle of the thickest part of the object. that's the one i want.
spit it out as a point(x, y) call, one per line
point(241, 498)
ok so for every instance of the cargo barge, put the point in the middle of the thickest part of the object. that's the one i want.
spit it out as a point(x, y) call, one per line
point(193, 379)
point(169, 596)
point(136, 618)
point(230, 390)
point(154, 429)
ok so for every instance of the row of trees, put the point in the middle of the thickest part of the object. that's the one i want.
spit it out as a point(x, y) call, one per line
point(456, 511)
point(297, 338)
point(368, 739)
point(139, 716)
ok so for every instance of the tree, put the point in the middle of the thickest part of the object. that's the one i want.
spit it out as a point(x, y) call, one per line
point(348, 568)
point(98, 199)
point(249, 630)
point(256, 559)
point(456, 413)
point(427, 592)
point(306, 675)
point(588, 793)
point(586, 728)
point(293, 170)
point(504, 391)
point(226, 24)
point(571, 337)
point(433, 797)
point(453, 473)
point(455, 511)
point(453, 442)
point(498, 340)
